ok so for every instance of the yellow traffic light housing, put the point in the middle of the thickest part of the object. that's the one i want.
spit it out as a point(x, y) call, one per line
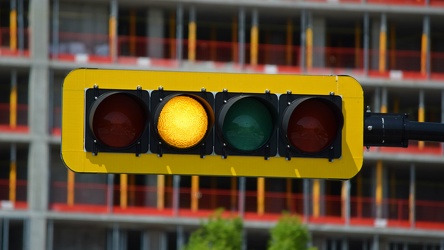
point(153, 122)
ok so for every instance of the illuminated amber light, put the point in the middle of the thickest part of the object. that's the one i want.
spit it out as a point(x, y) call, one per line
point(182, 122)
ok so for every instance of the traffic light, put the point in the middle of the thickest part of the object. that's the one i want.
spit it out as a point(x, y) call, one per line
point(116, 120)
point(311, 126)
point(246, 124)
point(152, 122)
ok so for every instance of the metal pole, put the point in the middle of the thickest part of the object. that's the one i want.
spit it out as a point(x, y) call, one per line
point(5, 230)
point(366, 43)
point(50, 235)
point(241, 36)
point(179, 237)
point(176, 197)
point(21, 27)
point(179, 33)
point(303, 39)
point(110, 193)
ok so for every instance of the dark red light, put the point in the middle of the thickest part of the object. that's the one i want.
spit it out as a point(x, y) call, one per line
point(118, 119)
point(313, 125)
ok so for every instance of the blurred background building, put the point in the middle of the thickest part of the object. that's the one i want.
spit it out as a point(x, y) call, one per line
point(395, 48)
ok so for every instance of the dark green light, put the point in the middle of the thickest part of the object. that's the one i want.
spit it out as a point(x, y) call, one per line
point(248, 125)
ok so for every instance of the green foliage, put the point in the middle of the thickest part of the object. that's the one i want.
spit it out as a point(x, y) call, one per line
point(288, 234)
point(217, 234)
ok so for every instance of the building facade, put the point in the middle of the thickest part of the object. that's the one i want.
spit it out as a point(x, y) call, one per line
point(394, 48)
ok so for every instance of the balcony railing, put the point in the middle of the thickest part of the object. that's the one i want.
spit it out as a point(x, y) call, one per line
point(94, 198)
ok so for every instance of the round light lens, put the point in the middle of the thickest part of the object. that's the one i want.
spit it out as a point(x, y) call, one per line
point(182, 122)
point(248, 124)
point(313, 125)
point(118, 119)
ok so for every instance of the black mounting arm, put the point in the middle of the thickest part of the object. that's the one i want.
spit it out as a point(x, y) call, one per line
point(395, 130)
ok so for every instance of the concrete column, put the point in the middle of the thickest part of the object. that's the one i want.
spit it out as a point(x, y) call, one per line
point(38, 160)
point(155, 33)
point(319, 31)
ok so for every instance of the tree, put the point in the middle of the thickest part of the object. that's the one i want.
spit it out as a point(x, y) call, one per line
point(217, 234)
point(288, 234)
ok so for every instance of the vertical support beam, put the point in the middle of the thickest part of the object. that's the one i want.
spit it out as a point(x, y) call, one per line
point(379, 189)
point(160, 192)
point(345, 197)
point(421, 114)
point(194, 193)
point(55, 28)
point(180, 239)
point(358, 42)
point(123, 191)
point(132, 32)
point(179, 33)
point(112, 33)
point(5, 234)
point(384, 100)
point(13, 26)
point(50, 235)
point(241, 36)
point(110, 193)
point(412, 196)
point(176, 197)
point(289, 46)
point(383, 44)
point(316, 198)
point(241, 201)
point(13, 173)
point(366, 43)
point(21, 27)
point(172, 35)
point(309, 42)
point(254, 36)
point(234, 40)
point(303, 46)
point(306, 201)
point(70, 189)
point(375, 243)
point(192, 35)
point(425, 47)
point(260, 195)
point(13, 100)
point(38, 113)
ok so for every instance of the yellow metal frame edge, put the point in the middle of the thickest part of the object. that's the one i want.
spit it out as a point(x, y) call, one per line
point(73, 108)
